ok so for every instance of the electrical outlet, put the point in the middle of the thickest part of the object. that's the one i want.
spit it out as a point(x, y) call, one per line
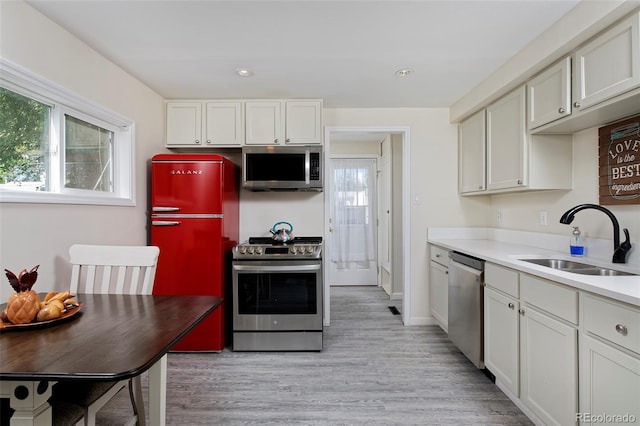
point(499, 217)
point(543, 218)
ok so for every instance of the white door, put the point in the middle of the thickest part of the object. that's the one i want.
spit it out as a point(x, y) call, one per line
point(353, 222)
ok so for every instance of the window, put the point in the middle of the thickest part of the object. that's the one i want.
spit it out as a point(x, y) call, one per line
point(58, 148)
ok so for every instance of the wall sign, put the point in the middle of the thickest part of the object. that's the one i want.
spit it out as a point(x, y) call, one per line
point(619, 158)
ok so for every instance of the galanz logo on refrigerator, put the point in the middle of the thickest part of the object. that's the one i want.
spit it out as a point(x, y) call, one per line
point(186, 172)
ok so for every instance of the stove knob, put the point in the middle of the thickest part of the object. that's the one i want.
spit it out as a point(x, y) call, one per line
point(251, 250)
point(310, 249)
point(293, 250)
point(259, 250)
point(243, 250)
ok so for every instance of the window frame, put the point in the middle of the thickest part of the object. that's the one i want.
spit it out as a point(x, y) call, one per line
point(64, 102)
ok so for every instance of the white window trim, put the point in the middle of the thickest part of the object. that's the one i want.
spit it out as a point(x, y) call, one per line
point(24, 81)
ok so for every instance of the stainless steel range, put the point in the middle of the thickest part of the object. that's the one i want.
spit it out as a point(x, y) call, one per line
point(278, 295)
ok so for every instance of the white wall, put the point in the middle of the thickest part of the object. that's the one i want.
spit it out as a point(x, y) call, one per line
point(521, 211)
point(433, 175)
point(259, 211)
point(33, 234)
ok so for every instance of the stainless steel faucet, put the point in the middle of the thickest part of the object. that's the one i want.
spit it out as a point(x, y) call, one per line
point(619, 250)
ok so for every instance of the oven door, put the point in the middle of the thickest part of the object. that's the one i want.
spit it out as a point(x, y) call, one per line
point(279, 295)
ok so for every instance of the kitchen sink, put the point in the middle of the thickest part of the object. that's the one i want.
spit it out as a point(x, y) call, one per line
point(576, 267)
point(599, 271)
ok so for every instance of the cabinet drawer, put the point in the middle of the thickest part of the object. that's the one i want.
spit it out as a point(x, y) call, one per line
point(503, 279)
point(440, 255)
point(556, 299)
point(613, 321)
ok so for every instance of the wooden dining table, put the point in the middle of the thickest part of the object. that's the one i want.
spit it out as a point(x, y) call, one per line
point(111, 338)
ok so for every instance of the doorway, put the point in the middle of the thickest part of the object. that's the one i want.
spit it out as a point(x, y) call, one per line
point(353, 220)
point(396, 251)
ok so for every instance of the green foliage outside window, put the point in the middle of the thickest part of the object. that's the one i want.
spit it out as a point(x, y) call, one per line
point(24, 134)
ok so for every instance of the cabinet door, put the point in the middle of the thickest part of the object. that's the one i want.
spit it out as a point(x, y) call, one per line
point(440, 294)
point(609, 383)
point(471, 154)
point(549, 94)
point(609, 65)
point(264, 123)
point(548, 367)
point(303, 122)
point(501, 353)
point(223, 124)
point(506, 142)
point(184, 123)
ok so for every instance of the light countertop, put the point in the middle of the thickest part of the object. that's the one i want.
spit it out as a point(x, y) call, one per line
point(506, 253)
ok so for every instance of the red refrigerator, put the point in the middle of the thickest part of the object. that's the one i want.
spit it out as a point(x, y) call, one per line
point(194, 221)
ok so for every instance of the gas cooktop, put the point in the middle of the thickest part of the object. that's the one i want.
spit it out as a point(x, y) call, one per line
point(296, 240)
point(267, 248)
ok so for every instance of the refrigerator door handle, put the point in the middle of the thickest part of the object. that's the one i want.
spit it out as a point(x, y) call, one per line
point(165, 209)
point(165, 222)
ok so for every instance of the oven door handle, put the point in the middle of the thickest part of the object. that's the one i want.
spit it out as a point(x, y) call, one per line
point(287, 268)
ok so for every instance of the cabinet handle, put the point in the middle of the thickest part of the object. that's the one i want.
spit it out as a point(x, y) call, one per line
point(511, 305)
point(519, 182)
point(561, 110)
point(621, 329)
point(479, 186)
point(276, 141)
point(197, 141)
point(437, 255)
point(287, 140)
point(576, 104)
point(521, 312)
point(209, 141)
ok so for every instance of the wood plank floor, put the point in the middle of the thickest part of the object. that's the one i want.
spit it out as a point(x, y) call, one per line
point(372, 371)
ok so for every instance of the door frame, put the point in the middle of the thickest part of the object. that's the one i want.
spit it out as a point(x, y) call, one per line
point(405, 132)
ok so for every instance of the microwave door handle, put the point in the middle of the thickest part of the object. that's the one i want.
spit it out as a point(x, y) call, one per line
point(307, 167)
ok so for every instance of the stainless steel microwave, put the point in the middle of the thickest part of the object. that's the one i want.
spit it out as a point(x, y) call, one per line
point(282, 168)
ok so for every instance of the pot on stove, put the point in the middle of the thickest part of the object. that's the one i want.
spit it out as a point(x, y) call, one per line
point(282, 235)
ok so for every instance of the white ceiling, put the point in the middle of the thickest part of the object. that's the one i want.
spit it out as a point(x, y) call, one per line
point(345, 52)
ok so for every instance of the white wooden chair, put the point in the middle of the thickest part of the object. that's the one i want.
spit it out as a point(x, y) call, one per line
point(105, 270)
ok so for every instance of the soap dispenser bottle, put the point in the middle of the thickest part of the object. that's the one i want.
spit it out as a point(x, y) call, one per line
point(576, 246)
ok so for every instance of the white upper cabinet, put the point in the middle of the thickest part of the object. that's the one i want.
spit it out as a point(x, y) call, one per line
point(223, 123)
point(264, 123)
point(549, 94)
point(304, 122)
point(471, 154)
point(184, 123)
point(506, 142)
point(234, 123)
point(283, 122)
point(609, 65)
point(204, 123)
point(515, 160)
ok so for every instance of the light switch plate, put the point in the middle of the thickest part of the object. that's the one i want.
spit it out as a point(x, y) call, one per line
point(543, 218)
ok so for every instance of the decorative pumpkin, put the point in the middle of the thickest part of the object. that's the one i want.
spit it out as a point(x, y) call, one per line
point(24, 304)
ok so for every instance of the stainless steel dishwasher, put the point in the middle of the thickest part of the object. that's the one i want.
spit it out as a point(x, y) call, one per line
point(466, 291)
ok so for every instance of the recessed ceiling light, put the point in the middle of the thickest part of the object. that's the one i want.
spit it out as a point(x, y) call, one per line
point(404, 72)
point(244, 72)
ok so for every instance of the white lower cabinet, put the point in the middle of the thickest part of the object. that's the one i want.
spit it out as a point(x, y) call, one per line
point(439, 286)
point(501, 353)
point(609, 384)
point(548, 367)
point(531, 342)
point(609, 362)
point(440, 294)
